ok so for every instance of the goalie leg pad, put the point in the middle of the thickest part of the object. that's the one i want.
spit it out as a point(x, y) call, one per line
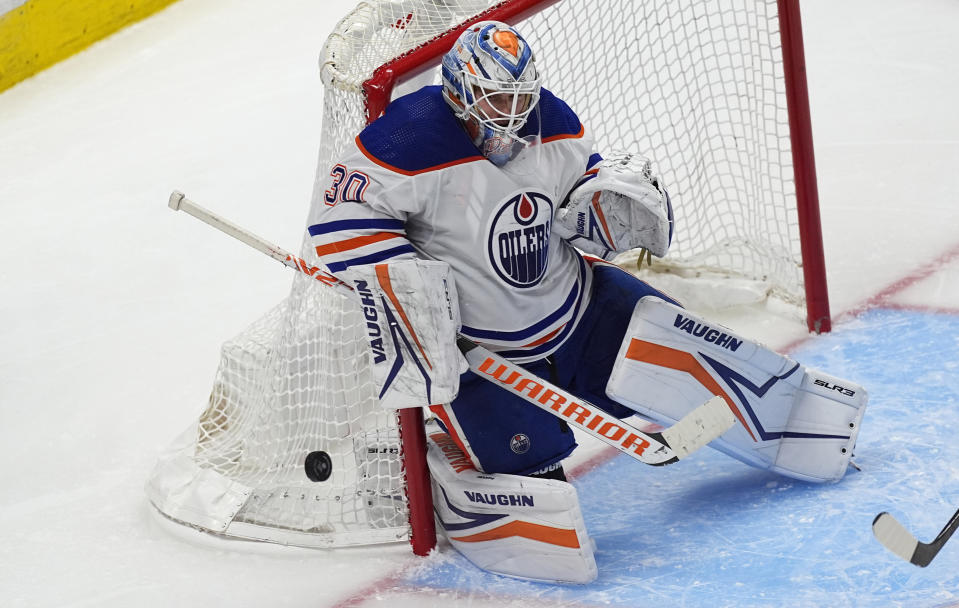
point(793, 420)
point(516, 526)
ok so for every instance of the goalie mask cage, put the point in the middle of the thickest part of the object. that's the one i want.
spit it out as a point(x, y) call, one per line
point(713, 90)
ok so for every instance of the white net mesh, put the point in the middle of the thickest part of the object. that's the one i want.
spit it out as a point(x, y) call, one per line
point(293, 383)
point(697, 86)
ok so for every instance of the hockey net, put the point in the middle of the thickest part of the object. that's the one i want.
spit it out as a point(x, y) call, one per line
point(700, 87)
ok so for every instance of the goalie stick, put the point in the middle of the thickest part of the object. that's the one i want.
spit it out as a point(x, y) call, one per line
point(894, 536)
point(693, 431)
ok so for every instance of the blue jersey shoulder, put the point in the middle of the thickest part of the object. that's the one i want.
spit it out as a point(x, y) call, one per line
point(418, 132)
point(555, 118)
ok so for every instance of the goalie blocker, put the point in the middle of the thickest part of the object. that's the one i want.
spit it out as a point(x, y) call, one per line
point(792, 420)
point(411, 313)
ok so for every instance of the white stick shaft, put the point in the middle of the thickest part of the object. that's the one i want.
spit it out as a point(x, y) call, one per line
point(179, 202)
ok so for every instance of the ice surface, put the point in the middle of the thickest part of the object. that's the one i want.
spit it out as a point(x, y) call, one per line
point(114, 309)
point(712, 532)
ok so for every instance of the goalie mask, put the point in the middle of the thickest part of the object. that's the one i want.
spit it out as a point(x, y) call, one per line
point(490, 81)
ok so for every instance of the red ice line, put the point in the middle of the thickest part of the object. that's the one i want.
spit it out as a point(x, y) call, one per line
point(883, 297)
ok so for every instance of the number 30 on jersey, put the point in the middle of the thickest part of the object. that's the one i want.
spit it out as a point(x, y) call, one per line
point(347, 186)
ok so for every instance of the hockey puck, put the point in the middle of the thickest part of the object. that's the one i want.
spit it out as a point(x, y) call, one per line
point(318, 466)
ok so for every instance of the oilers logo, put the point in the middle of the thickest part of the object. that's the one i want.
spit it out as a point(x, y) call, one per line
point(519, 443)
point(518, 241)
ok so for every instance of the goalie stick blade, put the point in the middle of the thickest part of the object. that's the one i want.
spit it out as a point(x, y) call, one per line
point(900, 541)
point(699, 427)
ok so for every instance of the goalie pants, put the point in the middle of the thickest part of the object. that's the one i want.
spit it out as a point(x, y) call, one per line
point(505, 434)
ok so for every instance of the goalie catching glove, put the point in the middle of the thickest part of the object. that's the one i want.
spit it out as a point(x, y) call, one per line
point(412, 316)
point(623, 207)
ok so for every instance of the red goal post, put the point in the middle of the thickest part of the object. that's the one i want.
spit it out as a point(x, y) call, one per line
point(818, 318)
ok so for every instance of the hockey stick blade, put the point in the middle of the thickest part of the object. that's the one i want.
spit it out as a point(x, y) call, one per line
point(894, 536)
point(696, 429)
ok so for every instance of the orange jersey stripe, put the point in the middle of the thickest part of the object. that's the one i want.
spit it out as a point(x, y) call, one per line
point(355, 243)
point(544, 534)
point(582, 130)
point(545, 338)
point(654, 354)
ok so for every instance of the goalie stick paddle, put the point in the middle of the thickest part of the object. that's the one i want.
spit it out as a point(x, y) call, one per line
point(700, 426)
point(894, 536)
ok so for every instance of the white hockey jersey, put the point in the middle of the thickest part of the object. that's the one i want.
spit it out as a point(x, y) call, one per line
point(413, 184)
